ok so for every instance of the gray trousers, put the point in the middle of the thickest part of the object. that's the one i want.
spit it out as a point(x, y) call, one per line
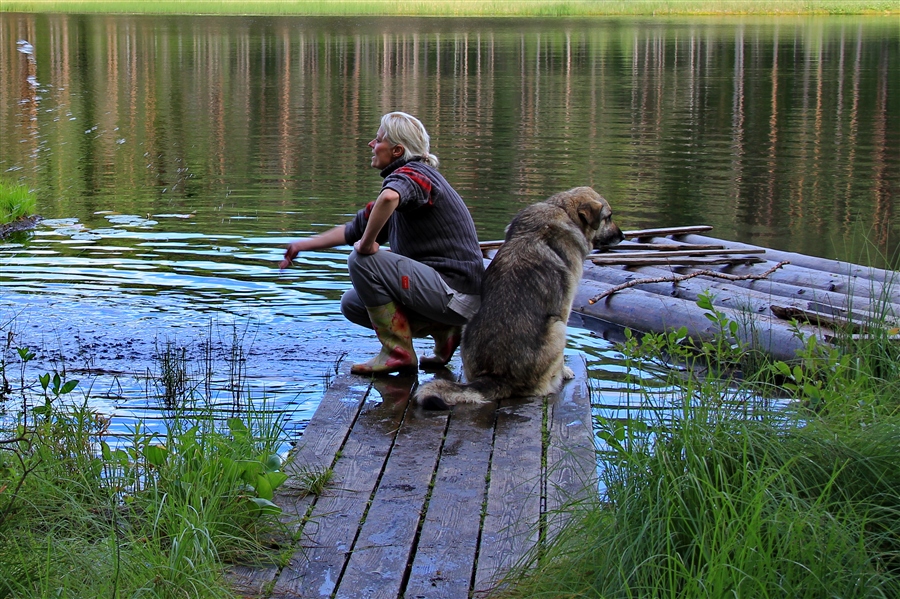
point(385, 277)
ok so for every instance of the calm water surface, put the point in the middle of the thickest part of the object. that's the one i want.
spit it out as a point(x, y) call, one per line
point(174, 157)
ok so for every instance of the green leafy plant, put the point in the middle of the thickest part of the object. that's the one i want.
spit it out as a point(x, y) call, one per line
point(16, 201)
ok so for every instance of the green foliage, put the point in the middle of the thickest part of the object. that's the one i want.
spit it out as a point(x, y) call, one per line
point(155, 514)
point(16, 201)
point(712, 490)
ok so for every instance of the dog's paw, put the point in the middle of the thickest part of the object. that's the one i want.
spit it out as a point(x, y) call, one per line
point(567, 373)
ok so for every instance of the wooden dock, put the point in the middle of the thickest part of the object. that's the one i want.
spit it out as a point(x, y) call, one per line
point(429, 504)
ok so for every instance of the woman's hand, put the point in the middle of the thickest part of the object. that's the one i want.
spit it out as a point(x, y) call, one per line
point(384, 206)
point(328, 239)
point(290, 253)
point(365, 250)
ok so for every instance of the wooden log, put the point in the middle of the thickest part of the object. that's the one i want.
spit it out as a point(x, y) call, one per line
point(662, 260)
point(650, 312)
point(834, 267)
point(800, 315)
point(662, 232)
point(490, 245)
point(626, 246)
point(757, 294)
point(856, 290)
point(598, 258)
point(813, 272)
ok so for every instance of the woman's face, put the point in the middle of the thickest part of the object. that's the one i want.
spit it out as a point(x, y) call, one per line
point(383, 152)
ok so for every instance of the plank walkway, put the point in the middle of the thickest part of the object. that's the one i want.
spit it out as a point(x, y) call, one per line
point(429, 504)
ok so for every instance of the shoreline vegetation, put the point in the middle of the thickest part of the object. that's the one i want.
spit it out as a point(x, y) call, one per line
point(740, 477)
point(733, 476)
point(17, 206)
point(465, 8)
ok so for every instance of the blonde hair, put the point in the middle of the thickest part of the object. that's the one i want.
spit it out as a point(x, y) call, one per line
point(408, 131)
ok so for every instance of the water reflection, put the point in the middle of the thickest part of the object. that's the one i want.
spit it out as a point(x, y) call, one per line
point(175, 156)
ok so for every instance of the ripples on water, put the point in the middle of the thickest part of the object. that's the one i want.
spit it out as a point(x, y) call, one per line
point(105, 304)
point(174, 158)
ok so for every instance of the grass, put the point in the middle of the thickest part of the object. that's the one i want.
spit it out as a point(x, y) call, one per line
point(713, 492)
point(148, 514)
point(16, 201)
point(460, 8)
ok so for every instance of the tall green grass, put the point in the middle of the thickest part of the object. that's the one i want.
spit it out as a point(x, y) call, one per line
point(149, 514)
point(16, 201)
point(461, 7)
point(714, 492)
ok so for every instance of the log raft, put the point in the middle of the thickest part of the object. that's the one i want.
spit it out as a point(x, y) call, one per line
point(651, 282)
point(427, 504)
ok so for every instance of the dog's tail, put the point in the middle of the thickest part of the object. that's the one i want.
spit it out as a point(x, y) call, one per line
point(440, 394)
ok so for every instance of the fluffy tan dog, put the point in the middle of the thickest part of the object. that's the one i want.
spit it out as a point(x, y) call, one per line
point(514, 345)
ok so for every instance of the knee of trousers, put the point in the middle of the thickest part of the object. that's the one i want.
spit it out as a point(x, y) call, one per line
point(367, 273)
point(354, 310)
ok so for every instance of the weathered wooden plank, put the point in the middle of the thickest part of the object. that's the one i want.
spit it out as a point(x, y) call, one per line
point(669, 254)
point(378, 563)
point(445, 556)
point(856, 289)
point(761, 292)
point(663, 231)
point(315, 569)
point(324, 435)
point(511, 525)
point(627, 246)
point(494, 244)
point(642, 311)
point(664, 259)
point(571, 475)
point(833, 267)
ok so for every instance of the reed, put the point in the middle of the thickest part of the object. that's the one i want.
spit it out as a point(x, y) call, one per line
point(151, 513)
point(157, 515)
point(713, 491)
point(16, 201)
point(463, 8)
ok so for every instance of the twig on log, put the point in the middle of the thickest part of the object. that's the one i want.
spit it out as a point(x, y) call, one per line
point(680, 278)
point(814, 318)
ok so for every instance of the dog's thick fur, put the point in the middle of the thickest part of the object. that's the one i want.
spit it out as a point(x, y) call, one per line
point(514, 345)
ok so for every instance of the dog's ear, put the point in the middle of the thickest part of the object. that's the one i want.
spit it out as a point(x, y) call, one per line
point(591, 214)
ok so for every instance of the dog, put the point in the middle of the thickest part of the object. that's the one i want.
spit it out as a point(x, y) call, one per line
point(513, 345)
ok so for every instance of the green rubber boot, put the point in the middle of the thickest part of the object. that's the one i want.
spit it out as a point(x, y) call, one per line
point(446, 340)
point(397, 353)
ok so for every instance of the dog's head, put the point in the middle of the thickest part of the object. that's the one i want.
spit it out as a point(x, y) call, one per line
point(591, 212)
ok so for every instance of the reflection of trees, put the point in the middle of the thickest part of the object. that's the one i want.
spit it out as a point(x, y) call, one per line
point(789, 127)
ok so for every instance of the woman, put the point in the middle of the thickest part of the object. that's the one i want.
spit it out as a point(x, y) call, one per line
point(428, 284)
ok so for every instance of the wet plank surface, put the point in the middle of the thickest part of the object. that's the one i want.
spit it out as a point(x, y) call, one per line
point(428, 504)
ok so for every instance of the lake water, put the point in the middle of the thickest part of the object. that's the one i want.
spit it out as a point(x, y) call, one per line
point(174, 157)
